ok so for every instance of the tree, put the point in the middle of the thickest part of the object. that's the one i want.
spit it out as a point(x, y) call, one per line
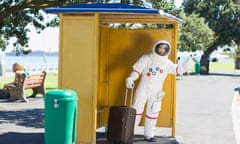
point(17, 15)
point(223, 17)
point(194, 34)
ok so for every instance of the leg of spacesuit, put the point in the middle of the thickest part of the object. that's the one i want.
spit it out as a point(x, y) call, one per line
point(139, 103)
point(149, 127)
point(153, 108)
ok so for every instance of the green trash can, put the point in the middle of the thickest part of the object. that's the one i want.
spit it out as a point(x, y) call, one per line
point(60, 116)
point(197, 68)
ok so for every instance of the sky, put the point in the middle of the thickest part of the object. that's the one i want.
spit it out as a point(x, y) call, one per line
point(178, 2)
point(48, 40)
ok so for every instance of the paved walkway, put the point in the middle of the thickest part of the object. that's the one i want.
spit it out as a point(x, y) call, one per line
point(203, 114)
point(22, 123)
point(204, 108)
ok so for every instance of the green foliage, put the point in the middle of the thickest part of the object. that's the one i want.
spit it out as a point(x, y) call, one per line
point(17, 15)
point(222, 16)
point(194, 34)
point(167, 6)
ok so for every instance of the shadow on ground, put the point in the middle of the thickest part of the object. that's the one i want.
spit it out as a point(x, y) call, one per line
point(225, 74)
point(38, 138)
point(138, 139)
point(216, 74)
point(22, 138)
point(27, 118)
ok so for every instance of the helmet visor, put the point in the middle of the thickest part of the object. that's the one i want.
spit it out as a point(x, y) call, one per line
point(162, 49)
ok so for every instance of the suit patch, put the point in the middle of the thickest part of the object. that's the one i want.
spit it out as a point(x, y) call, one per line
point(154, 71)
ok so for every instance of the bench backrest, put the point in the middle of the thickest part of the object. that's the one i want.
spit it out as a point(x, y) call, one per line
point(30, 81)
point(35, 80)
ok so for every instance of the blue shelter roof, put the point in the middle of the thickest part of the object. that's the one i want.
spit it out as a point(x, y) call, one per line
point(112, 8)
point(101, 7)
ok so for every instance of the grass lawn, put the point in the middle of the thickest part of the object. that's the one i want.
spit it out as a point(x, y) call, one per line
point(221, 66)
point(217, 66)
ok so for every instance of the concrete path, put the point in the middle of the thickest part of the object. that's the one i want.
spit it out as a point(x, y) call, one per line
point(22, 123)
point(204, 108)
point(203, 114)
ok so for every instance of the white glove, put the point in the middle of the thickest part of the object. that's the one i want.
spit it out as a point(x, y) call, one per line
point(130, 80)
point(184, 67)
point(129, 83)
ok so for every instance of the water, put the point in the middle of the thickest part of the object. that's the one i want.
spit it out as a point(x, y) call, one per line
point(30, 62)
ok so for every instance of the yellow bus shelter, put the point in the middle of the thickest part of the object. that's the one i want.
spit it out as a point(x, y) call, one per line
point(95, 58)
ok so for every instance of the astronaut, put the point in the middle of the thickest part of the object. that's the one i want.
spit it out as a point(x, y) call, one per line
point(153, 69)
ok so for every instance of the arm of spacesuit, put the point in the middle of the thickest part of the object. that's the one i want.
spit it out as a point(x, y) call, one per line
point(134, 75)
point(181, 67)
point(185, 66)
point(138, 67)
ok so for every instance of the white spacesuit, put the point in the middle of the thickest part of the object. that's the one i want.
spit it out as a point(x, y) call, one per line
point(153, 68)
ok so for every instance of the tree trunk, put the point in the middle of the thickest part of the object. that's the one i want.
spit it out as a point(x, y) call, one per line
point(237, 61)
point(204, 62)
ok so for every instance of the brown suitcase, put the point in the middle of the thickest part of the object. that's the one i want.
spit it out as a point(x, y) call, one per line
point(121, 123)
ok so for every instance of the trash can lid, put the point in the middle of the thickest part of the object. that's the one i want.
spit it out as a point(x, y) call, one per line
point(61, 94)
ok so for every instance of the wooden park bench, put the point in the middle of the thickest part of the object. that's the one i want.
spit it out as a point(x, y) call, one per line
point(23, 82)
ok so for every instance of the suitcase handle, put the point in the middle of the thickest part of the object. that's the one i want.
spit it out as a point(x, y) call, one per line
point(126, 95)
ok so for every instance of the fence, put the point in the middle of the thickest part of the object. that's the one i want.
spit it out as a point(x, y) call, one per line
point(48, 67)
